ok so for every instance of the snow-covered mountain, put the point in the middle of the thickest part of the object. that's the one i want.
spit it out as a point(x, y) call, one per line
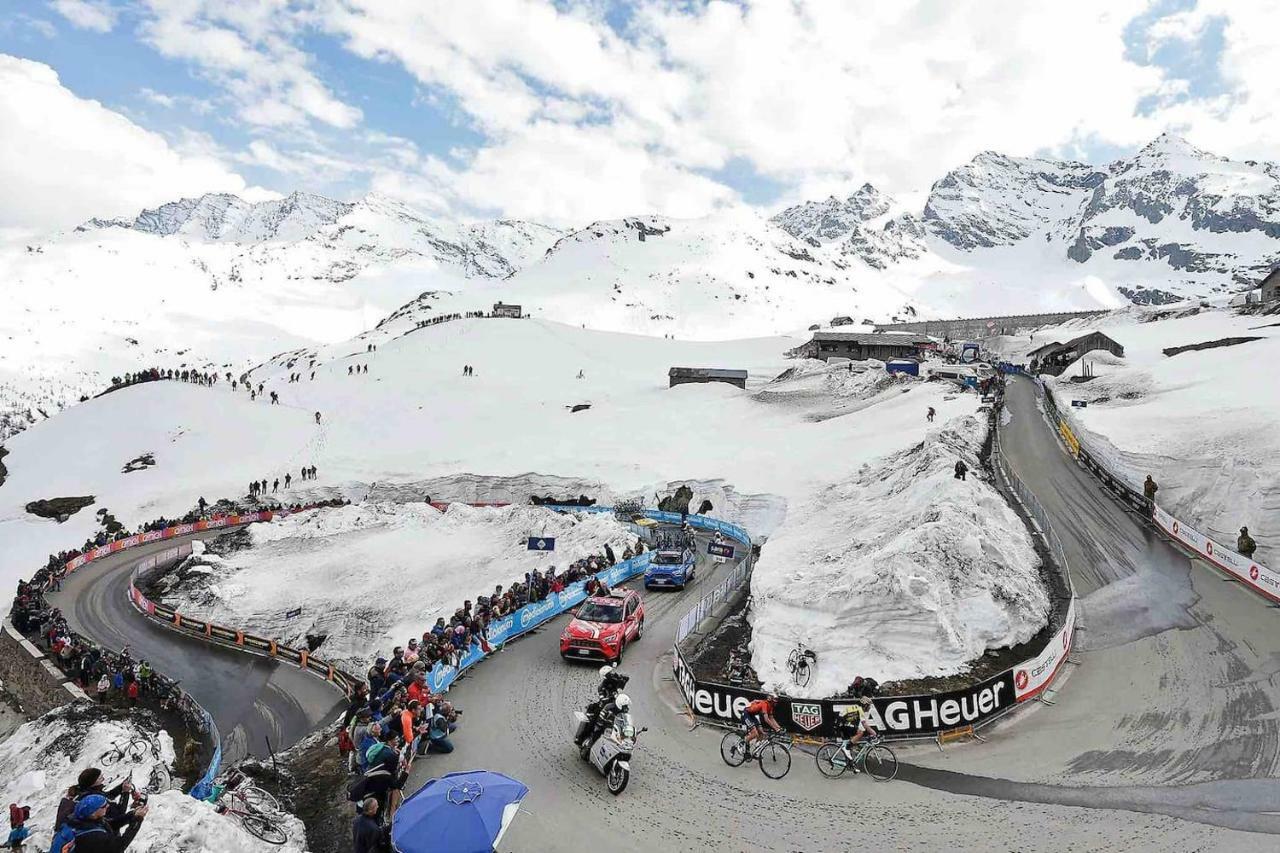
point(701, 279)
point(1170, 222)
point(867, 225)
point(219, 282)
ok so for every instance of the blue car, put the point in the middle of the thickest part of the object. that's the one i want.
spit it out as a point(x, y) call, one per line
point(672, 568)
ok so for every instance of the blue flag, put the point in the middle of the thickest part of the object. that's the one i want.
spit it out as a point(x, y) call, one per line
point(542, 543)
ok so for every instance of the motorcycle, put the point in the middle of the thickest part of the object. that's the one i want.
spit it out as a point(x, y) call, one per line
point(611, 753)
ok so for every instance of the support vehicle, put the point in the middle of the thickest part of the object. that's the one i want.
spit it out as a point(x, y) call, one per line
point(602, 626)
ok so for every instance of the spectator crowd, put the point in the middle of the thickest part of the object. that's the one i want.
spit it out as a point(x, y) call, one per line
point(393, 717)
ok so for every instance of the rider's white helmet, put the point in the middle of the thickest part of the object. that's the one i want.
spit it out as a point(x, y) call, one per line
point(606, 669)
point(622, 702)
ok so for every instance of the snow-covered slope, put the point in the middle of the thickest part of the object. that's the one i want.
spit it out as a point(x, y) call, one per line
point(219, 282)
point(42, 759)
point(715, 278)
point(326, 562)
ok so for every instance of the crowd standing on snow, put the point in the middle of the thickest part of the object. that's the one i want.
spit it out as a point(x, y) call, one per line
point(393, 717)
point(156, 374)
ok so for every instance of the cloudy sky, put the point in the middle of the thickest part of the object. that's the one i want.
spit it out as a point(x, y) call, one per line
point(571, 110)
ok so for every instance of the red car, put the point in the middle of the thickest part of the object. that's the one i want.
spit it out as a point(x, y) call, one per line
point(603, 626)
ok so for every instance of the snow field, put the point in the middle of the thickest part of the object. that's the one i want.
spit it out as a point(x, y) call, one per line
point(42, 759)
point(371, 576)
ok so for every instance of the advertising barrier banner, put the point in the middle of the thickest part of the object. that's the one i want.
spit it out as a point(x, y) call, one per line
point(894, 716)
point(532, 615)
point(1260, 578)
point(1033, 676)
point(177, 530)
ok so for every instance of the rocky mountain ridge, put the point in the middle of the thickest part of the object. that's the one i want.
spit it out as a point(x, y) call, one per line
point(1205, 223)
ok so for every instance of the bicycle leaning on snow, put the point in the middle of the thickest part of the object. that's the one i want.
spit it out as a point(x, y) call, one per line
point(801, 662)
point(257, 810)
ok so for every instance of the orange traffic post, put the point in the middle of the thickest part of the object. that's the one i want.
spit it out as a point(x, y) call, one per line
point(177, 619)
point(239, 638)
point(271, 647)
point(302, 658)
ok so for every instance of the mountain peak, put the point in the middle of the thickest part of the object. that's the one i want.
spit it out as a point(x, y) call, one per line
point(1171, 145)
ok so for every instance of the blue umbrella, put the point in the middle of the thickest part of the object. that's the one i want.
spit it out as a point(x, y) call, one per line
point(465, 812)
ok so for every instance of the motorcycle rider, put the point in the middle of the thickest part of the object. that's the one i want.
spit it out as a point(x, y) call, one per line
point(619, 704)
point(611, 684)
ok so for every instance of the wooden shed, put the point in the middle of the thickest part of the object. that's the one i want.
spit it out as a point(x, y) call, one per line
point(1055, 358)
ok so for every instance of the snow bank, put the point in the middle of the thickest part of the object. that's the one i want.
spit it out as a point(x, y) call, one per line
point(370, 576)
point(42, 759)
point(898, 571)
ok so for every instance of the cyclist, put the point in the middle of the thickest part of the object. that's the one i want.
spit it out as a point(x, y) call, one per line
point(757, 715)
point(853, 726)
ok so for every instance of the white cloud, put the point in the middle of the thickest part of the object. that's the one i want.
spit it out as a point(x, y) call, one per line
point(64, 159)
point(809, 93)
point(246, 46)
point(97, 15)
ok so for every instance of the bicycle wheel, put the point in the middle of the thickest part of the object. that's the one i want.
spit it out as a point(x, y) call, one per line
point(137, 750)
point(792, 659)
point(161, 779)
point(263, 827)
point(775, 760)
point(260, 800)
point(802, 672)
point(831, 760)
point(733, 749)
point(881, 763)
point(111, 756)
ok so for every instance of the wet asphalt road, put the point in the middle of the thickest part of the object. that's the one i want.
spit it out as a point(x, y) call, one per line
point(251, 698)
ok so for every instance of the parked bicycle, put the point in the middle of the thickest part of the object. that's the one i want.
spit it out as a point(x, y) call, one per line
point(257, 810)
point(801, 662)
point(878, 760)
point(131, 750)
point(772, 752)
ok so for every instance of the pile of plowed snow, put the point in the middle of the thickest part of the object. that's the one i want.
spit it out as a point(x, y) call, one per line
point(899, 570)
point(370, 576)
point(42, 759)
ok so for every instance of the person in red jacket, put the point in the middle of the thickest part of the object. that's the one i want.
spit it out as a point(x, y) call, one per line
point(759, 714)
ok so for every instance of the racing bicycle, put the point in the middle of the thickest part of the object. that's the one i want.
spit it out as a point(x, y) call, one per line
point(801, 662)
point(871, 755)
point(134, 749)
point(773, 751)
point(257, 810)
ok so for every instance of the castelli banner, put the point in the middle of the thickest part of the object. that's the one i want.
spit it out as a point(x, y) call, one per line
point(1257, 576)
point(1033, 676)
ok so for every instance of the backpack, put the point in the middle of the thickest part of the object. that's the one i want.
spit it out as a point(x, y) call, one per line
point(64, 840)
point(344, 742)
